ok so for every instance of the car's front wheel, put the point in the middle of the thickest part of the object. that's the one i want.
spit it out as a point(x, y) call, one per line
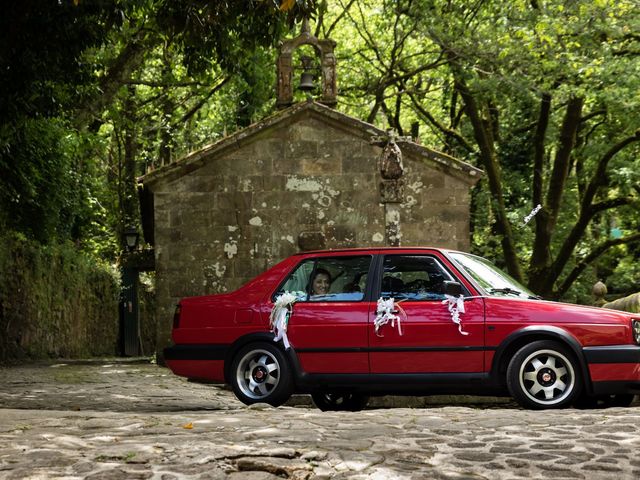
point(619, 400)
point(336, 402)
point(544, 374)
point(604, 401)
point(260, 374)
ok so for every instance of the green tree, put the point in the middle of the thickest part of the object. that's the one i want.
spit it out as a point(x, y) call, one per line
point(542, 96)
point(101, 88)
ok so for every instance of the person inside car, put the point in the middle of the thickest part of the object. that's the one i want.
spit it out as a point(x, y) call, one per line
point(321, 282)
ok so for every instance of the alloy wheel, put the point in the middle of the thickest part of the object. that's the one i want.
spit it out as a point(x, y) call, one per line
point(547, 377)
point(258, 374)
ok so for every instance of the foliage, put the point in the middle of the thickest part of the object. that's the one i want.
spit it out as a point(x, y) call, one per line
point(542, 95)
point(96, 92)
point(42, 188)
point(54, 302)
point(40, 47)
point(92, 94)
point(224, 31)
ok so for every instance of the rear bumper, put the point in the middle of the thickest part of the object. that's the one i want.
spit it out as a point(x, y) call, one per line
point(614, 369)
point(196, 352)
point(202, 362)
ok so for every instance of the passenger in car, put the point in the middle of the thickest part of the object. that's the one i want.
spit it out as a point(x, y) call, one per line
point(392, 286)
point(321, 282)
point(351, 287)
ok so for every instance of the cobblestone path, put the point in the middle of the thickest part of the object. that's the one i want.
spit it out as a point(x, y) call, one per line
point(138, 421)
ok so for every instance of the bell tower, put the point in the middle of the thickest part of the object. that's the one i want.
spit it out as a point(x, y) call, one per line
point(285, 68)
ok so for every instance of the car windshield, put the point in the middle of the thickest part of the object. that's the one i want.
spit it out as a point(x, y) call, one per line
point(489, 277)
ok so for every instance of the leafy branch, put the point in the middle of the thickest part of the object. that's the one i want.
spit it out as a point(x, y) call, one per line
point(590, 258)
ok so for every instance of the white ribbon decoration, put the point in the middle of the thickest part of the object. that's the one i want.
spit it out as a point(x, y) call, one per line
point(532, 214)
point(279, 318)
point(456, 307)
point(385, 313)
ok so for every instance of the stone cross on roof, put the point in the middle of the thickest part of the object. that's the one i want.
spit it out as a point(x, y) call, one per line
point(390, 137)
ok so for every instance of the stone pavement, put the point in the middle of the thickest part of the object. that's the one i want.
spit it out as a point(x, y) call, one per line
point(122, 420)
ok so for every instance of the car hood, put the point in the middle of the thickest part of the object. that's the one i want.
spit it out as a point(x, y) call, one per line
point(557, 312)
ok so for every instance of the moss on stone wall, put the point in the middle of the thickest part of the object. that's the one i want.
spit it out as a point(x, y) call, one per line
point(147, 311)
point(54, 302)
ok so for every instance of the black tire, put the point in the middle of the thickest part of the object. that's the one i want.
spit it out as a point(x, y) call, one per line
point(260, 374)
point(619, 400)
point(339, 402)
point(604, 401)
point(585, 402)
point(622, 400)
point(544, 374)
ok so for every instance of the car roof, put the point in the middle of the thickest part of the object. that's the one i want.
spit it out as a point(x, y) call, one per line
point(372, 249)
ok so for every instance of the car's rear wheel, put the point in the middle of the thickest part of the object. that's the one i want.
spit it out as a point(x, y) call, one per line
point(544, 374)
point(335, 402)
point(260, 374)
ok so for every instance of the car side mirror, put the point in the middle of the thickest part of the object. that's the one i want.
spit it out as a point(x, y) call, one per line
point(452, 288)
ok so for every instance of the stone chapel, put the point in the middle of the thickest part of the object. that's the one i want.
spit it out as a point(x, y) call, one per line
point(308, 177)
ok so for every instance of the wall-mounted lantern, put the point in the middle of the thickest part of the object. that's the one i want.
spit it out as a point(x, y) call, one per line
point(129, 316)
point(131, 237)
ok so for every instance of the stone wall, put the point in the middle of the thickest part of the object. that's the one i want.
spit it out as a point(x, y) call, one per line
point(55, 302)
point(306, 181)
point(630, 303)
point(147, 319)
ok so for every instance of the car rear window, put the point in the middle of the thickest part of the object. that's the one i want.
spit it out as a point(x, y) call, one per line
point(329, 279)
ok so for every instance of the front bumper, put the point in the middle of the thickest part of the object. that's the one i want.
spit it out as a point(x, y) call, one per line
point(612, 354)
point(614, 369)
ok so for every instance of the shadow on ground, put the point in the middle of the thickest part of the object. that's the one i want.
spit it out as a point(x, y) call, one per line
point(107, 386)
point(140, 386)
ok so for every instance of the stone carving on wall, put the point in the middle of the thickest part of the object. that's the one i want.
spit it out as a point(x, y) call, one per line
point(311, 240)
point(390, 162)
point(392, 185)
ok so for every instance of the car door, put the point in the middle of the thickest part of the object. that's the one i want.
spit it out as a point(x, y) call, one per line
point(430, 342)
point(328, 329)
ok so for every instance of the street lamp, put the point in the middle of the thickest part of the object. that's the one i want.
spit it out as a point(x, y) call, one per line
point(129, 318)
point(131, 237)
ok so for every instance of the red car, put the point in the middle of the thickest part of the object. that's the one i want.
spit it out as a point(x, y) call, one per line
point(345, 324)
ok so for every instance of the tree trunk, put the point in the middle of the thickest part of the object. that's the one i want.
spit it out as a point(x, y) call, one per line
point(485, 140)
point(540, 280)
point(129, 59)
point(129, 207)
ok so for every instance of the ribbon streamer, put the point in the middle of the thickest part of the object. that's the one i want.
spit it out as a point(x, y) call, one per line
point(386, 312)
point(279, 318)
point(456, 307)
point(532, 214)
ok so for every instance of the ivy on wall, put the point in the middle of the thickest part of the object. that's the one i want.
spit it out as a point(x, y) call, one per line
point(54, 302)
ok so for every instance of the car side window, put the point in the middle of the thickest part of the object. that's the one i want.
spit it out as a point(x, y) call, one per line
point(329, 279)
point(297, 282)
point(413, 277)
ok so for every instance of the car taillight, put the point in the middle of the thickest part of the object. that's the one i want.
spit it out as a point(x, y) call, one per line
point(635, 327)
point(176, 317)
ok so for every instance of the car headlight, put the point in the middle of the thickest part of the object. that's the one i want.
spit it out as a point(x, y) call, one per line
point(635, 326)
